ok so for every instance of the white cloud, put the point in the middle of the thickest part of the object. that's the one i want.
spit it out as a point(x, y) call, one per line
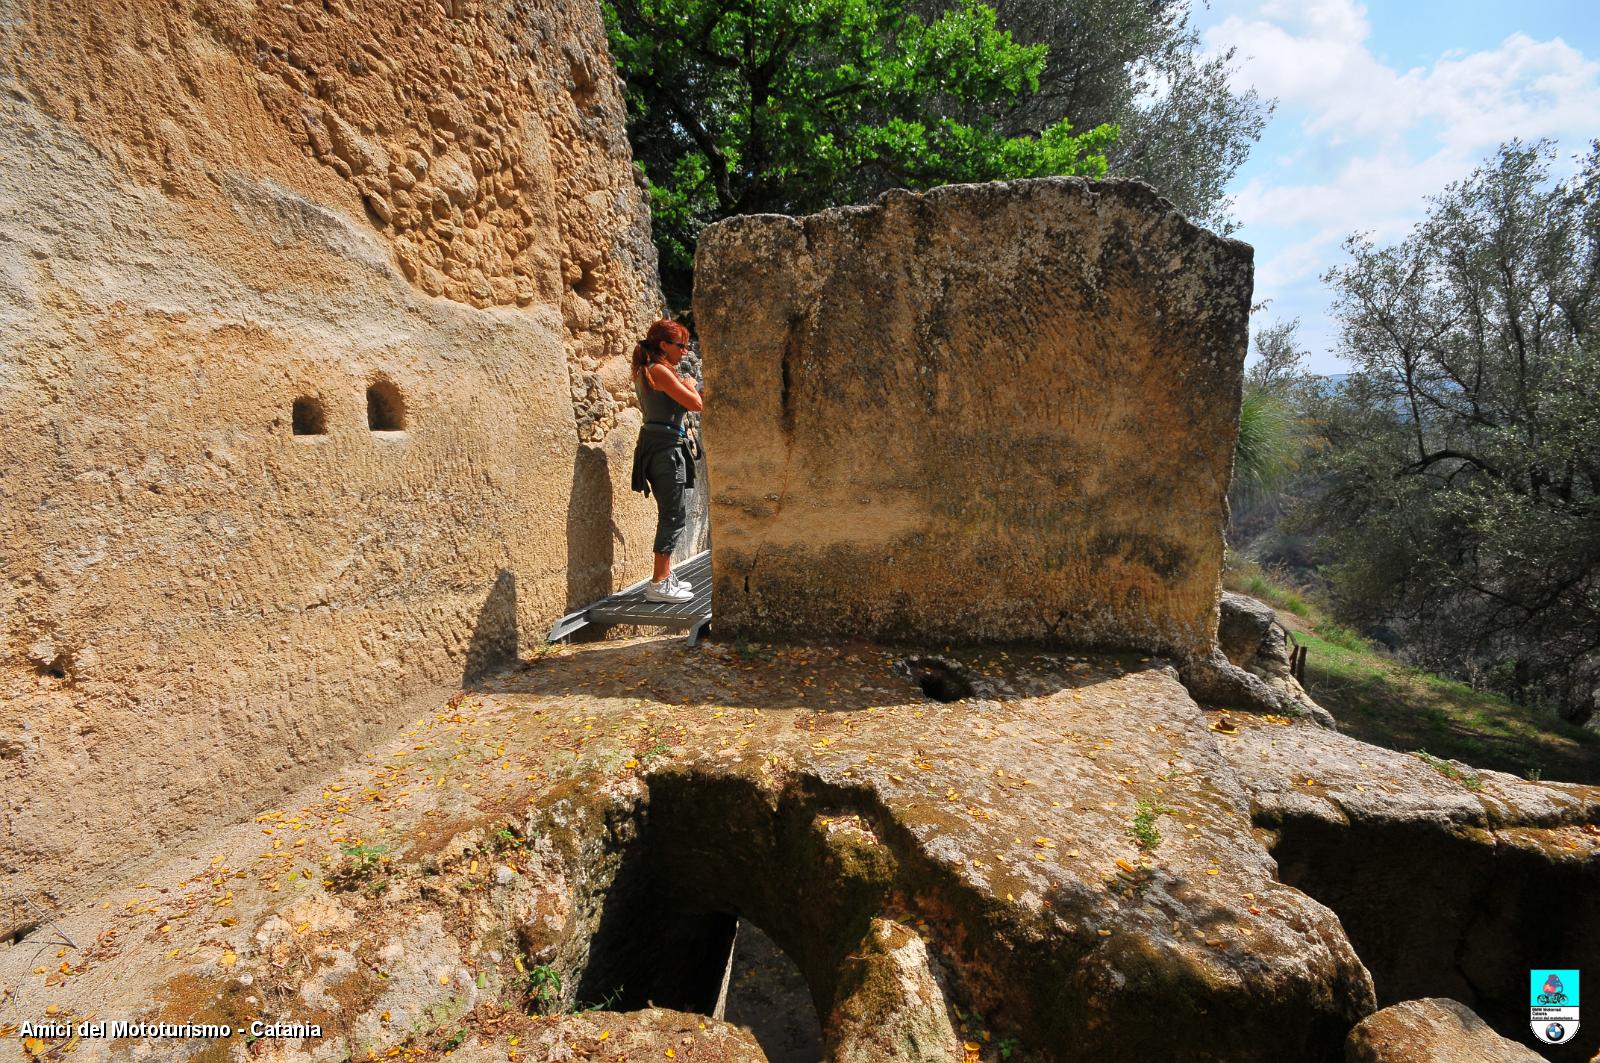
point(1314, 57)
point(1360, 145)
point(1364, 193)
point(1525, 88)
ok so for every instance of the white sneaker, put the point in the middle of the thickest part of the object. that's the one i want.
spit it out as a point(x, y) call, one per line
point(667, 591)
point(680, 582)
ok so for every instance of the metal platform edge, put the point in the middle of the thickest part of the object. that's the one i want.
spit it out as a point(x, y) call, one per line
point(581, 618)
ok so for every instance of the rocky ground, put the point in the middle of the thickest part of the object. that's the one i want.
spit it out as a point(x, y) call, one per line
point(1072, 861)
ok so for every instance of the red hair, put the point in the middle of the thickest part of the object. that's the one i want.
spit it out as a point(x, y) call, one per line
point(648, 349)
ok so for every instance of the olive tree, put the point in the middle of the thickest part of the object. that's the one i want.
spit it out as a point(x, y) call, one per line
point(1460, 465)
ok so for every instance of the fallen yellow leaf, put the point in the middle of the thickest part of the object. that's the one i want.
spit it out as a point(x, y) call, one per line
point(604, 1034)
point(230, 958)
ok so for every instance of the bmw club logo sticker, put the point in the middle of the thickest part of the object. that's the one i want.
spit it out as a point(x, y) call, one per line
point(1553, 1005)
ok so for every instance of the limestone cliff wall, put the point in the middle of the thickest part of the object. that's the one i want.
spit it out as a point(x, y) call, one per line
point(999, 411)
point(209, 210)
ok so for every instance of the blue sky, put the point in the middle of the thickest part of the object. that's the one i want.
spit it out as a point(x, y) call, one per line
point(1380, 105)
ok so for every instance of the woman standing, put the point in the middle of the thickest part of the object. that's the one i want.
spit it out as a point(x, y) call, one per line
point(662, 460)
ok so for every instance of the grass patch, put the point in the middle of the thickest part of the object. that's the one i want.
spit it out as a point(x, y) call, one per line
point(1143, 829)
point(1448, 770)
point(1381, 700)
point(1258, 585)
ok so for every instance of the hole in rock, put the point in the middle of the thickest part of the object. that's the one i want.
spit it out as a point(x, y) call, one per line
point(386, 410)
point(939, 680)
point(58, 667)
point(671, 909)
point(588, 284)
point(656, 948)
point(20, 934)
point(1436, 913)
point(669, 955)
point(309, 419)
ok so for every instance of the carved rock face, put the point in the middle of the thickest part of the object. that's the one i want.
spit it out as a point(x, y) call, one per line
point(302, 304)
point(1000, 411)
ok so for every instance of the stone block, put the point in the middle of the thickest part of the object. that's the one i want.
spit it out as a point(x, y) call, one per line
point(984, 413)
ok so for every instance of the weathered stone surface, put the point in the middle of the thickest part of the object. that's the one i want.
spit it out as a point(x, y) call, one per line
point(602, 816)
point(1250, 669)
point(650, 1034)
point(1436, 1030)
point(1244, 627)
point(987, 412)
point(640, 793)
point(210, 210)
point(893, 1008)
point(1444, 876)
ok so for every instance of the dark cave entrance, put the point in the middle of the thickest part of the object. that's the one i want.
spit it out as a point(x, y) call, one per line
point(650, 951)
point(699, 914)
point(767, 994)
point(939, 679)
point(710, 963)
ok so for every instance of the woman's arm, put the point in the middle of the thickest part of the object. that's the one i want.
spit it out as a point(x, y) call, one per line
point(664, 380)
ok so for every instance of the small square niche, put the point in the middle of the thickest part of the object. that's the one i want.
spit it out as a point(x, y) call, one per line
point(386, 408)
point(308, 417)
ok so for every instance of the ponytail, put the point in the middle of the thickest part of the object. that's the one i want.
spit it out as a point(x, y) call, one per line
point(648, 349)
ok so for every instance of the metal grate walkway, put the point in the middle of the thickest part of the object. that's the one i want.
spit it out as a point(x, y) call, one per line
point(628, 606)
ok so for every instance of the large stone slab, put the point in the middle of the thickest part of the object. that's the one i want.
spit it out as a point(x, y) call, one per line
point(987, 412)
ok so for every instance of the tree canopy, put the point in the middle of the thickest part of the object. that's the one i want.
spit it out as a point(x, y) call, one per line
point(790, 106)
point(1140, 66)
point(1460, 468)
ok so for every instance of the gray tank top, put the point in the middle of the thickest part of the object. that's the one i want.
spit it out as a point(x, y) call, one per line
point(659, 408)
